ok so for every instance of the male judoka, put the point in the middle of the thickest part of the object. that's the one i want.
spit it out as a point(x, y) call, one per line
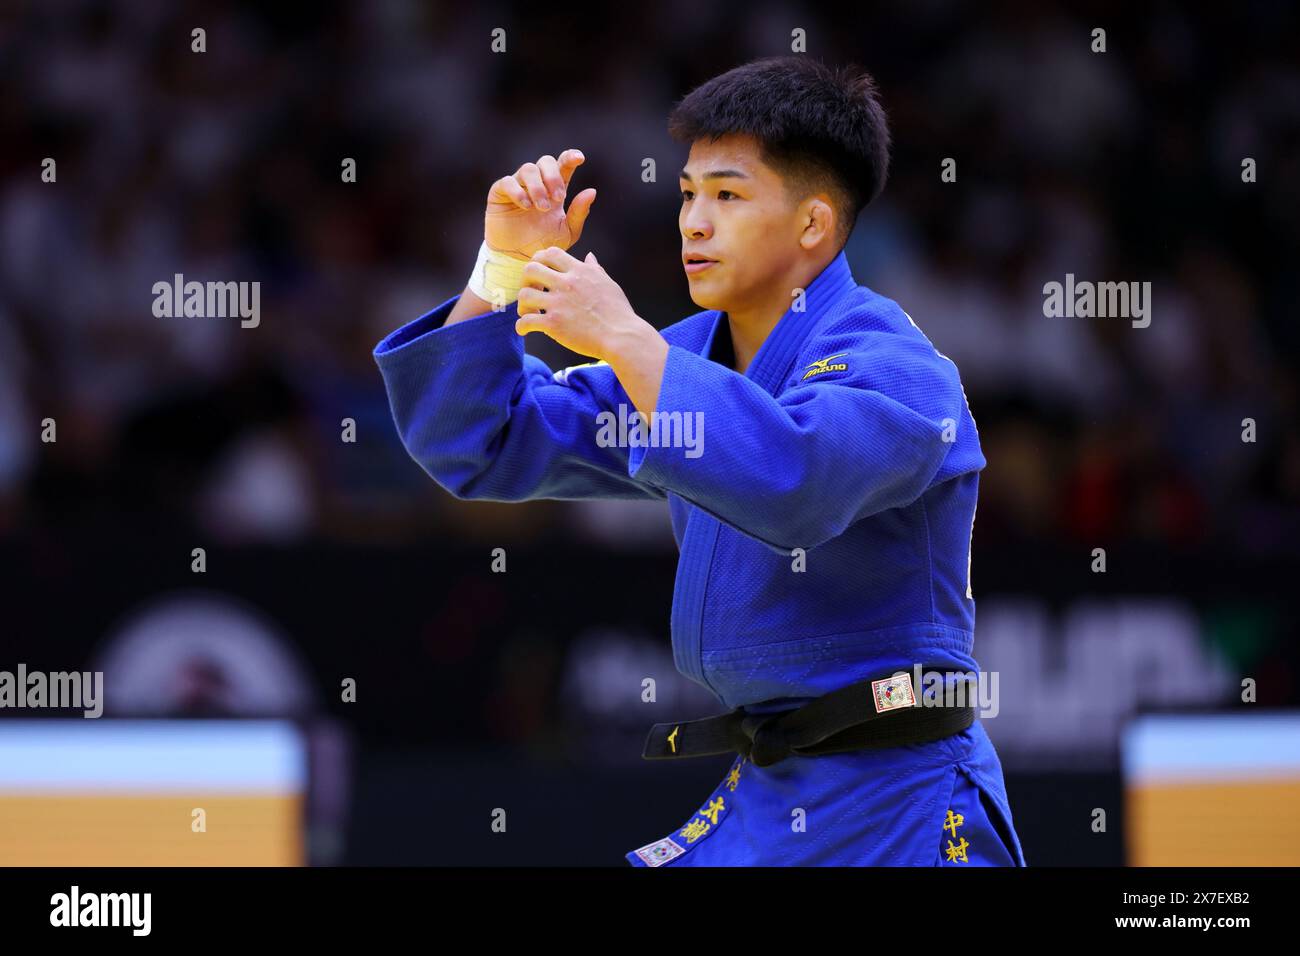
point(824, 522)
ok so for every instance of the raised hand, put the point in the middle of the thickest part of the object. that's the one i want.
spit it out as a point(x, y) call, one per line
point(525, 210)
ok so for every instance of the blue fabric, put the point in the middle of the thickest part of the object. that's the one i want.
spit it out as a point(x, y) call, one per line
point(824, 525)
point(868, 808)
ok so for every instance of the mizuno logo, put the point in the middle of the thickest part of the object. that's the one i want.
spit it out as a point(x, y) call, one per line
point(820, 366)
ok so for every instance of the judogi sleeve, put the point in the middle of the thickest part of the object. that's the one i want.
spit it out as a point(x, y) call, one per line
point(486, 420)
point(797, 469)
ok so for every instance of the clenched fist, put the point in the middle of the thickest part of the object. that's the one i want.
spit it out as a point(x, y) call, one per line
point(525, 211)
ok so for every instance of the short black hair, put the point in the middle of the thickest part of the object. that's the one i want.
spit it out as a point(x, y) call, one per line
point(819, 127)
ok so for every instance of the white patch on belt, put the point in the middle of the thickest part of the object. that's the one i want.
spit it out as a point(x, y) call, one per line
point(893, 692)
point(660, 852)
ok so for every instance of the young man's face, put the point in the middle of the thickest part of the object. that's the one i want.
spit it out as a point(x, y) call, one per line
point(735, 210)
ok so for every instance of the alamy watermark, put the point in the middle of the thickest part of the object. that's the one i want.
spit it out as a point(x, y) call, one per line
point(130, 910)
point(1085, 300)
point(216, 300)
point(957, 688)
point(56, 690)
point(664, 430)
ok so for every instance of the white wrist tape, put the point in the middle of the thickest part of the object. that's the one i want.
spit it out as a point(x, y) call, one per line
point(497, 277)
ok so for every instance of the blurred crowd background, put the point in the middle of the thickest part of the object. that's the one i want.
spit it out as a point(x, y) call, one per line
point(341, 559)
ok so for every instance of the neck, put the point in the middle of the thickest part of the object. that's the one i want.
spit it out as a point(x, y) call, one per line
point(751, 325)
point(748, 333)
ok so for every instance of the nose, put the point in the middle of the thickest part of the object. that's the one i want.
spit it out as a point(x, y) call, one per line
point(694, 224)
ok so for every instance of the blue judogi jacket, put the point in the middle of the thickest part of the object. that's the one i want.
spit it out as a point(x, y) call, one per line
point(848, 437)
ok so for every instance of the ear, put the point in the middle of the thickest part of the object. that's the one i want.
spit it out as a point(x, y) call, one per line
point(819, 222)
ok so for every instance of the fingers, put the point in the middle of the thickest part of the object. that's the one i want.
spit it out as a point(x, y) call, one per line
point(556, 258)
point(532, 322)
point(579, 209)
point(530, 177)
point(551, 178)
point(541, 276)
point(570, 160)
point(508, 190)
point(541, 184)
point(532, 301)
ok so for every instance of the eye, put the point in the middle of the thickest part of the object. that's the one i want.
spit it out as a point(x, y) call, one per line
point(686, 195)
point(726, 192)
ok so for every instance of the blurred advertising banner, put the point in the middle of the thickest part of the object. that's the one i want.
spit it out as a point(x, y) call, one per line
point(1070, 676)
point(1214, 790)
point(151, 793)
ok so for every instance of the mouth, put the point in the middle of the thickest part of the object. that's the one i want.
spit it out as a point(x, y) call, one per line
point(695, 264)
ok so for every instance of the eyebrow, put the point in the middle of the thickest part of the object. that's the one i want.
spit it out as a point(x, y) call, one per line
point(715, 174)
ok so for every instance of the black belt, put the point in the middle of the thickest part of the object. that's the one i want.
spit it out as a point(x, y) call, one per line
point(869, 715)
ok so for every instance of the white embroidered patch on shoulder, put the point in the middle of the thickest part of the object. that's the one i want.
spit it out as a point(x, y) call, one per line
point(660, 852)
